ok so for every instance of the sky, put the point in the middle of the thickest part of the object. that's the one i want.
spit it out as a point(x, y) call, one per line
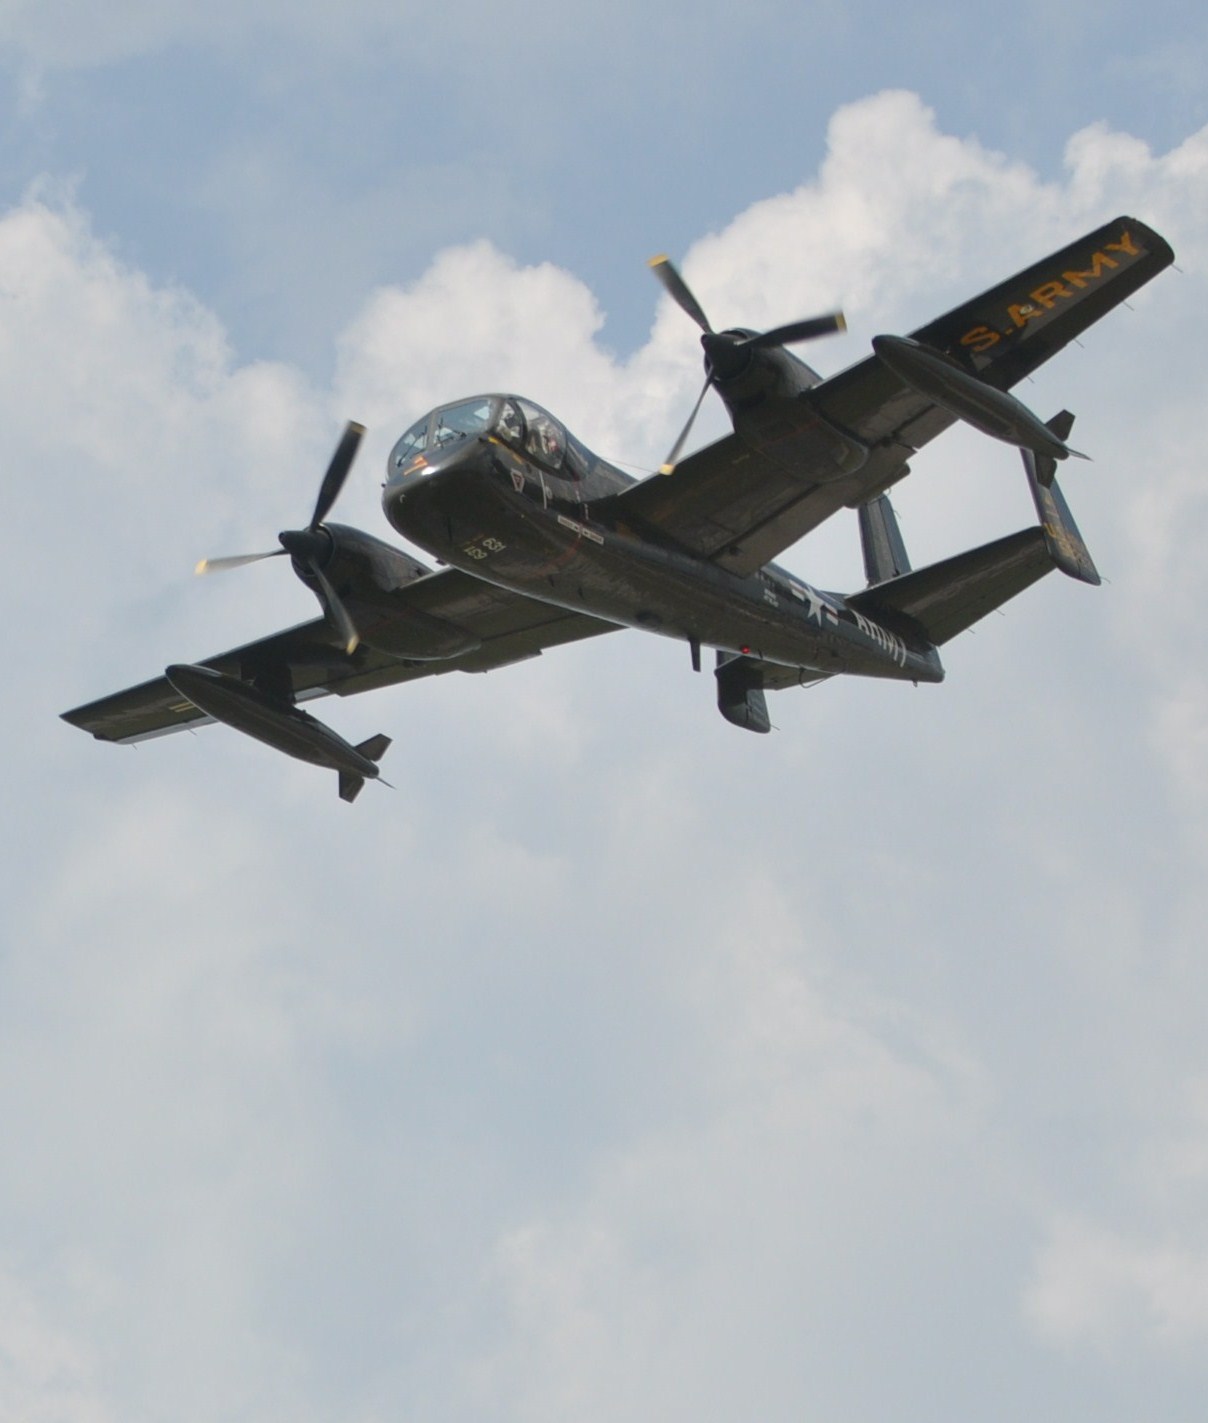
point(615, 1065)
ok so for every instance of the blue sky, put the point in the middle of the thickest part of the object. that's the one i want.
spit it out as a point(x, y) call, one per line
point(616, 1065)
point(242, 152)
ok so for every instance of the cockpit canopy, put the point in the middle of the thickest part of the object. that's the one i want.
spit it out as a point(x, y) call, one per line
point(519, 423)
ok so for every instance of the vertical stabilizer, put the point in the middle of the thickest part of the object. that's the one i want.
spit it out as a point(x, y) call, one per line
point(1061, 536)
point(375, 747)
point(884, 552)
point(740, 697)
point(352, 781)
point(350, 785)
point(1046, 466)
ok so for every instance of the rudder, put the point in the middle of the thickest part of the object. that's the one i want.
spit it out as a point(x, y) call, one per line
point(884, 552)
point(1062, 538)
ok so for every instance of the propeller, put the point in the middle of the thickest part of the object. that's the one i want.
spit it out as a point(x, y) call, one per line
point(308, 547)
point(726, 351)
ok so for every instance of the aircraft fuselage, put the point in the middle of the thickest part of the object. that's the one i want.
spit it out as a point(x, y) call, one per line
point(482, 506)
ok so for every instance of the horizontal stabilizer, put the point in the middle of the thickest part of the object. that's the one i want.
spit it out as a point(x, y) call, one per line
point(949, 597)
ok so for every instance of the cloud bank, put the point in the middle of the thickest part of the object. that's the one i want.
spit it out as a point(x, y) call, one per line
point(613, 1067)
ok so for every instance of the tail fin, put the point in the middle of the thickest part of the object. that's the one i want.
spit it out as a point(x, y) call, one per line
point(1062, 539)
point(740, 697)
point(951, 596)
point(1044, 467)
point(881, 540)
point(375, 747)
point(350, 785)
point(373, 750)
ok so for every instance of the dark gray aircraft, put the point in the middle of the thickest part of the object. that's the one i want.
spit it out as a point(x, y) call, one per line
point(541, 542)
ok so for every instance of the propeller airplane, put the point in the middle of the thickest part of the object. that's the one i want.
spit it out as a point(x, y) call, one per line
point(541, 542)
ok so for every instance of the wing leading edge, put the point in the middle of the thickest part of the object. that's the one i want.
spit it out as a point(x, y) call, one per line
point(739, 507)
point(306, 661)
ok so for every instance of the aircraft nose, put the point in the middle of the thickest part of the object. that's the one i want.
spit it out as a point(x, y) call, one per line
point(421, 469)
point(404, 473)
point(426, 482)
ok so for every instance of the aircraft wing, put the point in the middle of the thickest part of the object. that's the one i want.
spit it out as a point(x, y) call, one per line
point(308, 660)
point(739, 507)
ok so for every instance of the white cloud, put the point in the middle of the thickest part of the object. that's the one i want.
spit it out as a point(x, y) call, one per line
point(671, 1286)
point(480, 319)
point(616, 1064)
point(1099, 1284)
point(1096, 1287)
point(44, 1377)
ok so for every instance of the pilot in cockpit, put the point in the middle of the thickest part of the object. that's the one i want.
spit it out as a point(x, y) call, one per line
point(544, 440)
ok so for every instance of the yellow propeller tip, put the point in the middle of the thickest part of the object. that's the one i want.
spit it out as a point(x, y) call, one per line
point(202, 565)
point(666, 469)
point(357, 426)
point(659, 260)
point(841, 321)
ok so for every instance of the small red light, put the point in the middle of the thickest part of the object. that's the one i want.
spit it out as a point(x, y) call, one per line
point(744, 650)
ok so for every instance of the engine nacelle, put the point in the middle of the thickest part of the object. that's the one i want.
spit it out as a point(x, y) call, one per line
point(360, 565)
point(746, 376)
point(368, 573)
point(763, 394)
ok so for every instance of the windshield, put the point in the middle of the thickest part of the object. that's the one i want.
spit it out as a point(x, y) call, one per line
point(439, 429)
point(410, 444)
point(459, 422)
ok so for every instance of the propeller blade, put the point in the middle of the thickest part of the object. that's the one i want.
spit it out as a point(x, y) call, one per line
point(344, 623)
point(678, 290)
point(668, 465)
point(807, 330)
point(337, 472)
point(307, 546)
point(220, 565)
